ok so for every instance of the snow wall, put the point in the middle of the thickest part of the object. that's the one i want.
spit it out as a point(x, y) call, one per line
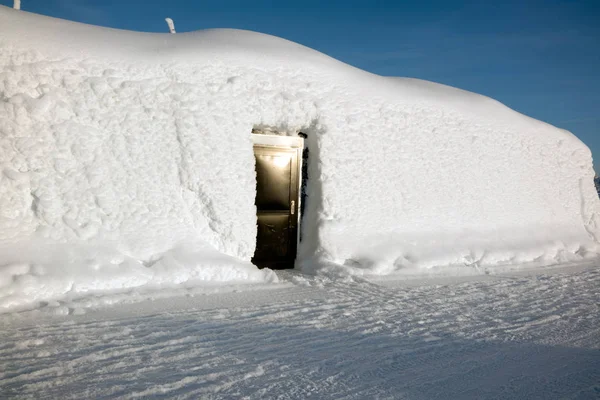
point(126, 161)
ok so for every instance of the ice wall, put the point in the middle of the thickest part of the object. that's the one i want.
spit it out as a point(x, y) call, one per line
point(127, 157)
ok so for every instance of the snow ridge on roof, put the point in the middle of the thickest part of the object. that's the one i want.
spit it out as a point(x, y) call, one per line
point(234, 46)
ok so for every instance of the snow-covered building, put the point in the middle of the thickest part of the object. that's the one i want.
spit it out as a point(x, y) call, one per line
point(128, 159)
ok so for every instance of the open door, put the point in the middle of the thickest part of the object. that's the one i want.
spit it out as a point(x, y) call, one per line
point(278, 166)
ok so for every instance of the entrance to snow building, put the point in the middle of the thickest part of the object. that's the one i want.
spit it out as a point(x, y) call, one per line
point(278, 163)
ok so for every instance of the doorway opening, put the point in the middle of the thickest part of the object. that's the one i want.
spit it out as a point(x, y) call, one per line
point(278, 164)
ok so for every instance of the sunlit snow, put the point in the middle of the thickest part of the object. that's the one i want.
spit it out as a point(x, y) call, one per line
point(126, 163)
point(450, 244)
point(511, 337)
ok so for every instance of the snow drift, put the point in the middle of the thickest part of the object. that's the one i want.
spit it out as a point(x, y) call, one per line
point(126, 160)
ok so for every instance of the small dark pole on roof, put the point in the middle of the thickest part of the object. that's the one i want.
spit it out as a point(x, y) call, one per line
point(17, 5)
point(171, 25)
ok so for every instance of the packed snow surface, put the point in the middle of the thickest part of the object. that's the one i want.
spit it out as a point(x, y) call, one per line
point(510, 337)
point(126, 162)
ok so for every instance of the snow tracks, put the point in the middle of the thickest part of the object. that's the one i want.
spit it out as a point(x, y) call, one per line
point(514, 337)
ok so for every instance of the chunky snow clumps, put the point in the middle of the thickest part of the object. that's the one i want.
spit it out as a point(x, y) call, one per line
point(126, 161)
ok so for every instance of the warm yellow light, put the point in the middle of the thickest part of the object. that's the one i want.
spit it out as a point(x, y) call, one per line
point(281, 161)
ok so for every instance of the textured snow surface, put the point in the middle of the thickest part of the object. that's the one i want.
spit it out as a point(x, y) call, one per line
point(515, 337)
point(126, 161)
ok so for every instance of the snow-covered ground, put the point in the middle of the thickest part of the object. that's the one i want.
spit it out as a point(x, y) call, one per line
point(532, 335)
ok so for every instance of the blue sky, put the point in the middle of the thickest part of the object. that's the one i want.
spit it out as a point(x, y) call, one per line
point(541, 58)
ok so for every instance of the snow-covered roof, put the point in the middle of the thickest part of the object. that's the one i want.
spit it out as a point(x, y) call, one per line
point(232, 46)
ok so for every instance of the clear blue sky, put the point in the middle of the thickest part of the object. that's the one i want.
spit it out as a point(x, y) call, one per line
point(541, 58)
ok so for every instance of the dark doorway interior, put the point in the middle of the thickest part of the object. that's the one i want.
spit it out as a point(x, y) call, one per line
point(278, 166)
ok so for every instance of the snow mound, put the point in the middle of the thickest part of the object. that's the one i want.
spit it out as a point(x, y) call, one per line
point(54, 272)
point(126, 161)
